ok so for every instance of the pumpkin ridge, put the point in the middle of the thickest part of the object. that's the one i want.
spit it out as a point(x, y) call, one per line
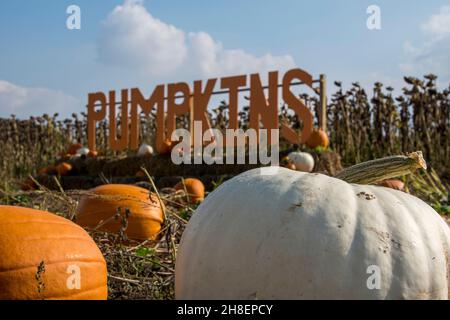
point(53, 263)
point(118, 197)
point(48, 238)
point(36, 221)
point(136, 215)
point(383, 233)
point(425, 251)
point(29, 236)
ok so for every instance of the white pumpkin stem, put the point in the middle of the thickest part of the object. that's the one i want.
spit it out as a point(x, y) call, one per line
point(373, 171)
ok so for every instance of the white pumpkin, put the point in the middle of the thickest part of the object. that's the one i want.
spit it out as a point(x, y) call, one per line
point(83, 151)
point(303, 161)
point(297, 235)
point(145, 150)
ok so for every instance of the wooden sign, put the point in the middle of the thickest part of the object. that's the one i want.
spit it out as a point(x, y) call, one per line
point(195, 100)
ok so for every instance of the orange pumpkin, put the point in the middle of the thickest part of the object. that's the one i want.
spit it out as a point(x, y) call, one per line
point(318, 138)
point(194, 187)
point(291, 166)
point(30, 237)
point(63, 168)
point(393, 184)
point(100, 208)
point(73, 148)
point(165, 147)
point(92, 154)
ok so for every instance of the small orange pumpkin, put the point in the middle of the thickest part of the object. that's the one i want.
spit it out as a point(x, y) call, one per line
point(73, 148)
point(291, 166)
point(99, 210)
point(30, 237)
point(318, 138)
point(92, 154)
point(63, 168)
point(393, 184)
point(165, 147)
point(194, 187)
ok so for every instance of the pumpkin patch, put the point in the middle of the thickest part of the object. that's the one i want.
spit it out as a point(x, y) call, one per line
point(142, 157)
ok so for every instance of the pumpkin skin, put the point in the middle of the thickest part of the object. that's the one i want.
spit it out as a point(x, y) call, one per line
point(92, 154)
point(28, 237)
point(318, 138)
point(63, 168)
point(297, 235)
point(302, 161)
point(164, 148)
point(146, 213)
point(291, 166)
point(393, 184)
point(194, 188)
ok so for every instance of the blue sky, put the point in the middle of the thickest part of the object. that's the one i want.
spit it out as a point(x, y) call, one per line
point(44, 67)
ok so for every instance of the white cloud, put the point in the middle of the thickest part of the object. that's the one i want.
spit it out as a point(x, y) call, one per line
point(438, 25)
point(132, 38)
point(23, 101)
point(432, 55)
point(212, 59)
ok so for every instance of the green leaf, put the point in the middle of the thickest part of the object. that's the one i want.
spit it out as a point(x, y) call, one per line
point(144, 251)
